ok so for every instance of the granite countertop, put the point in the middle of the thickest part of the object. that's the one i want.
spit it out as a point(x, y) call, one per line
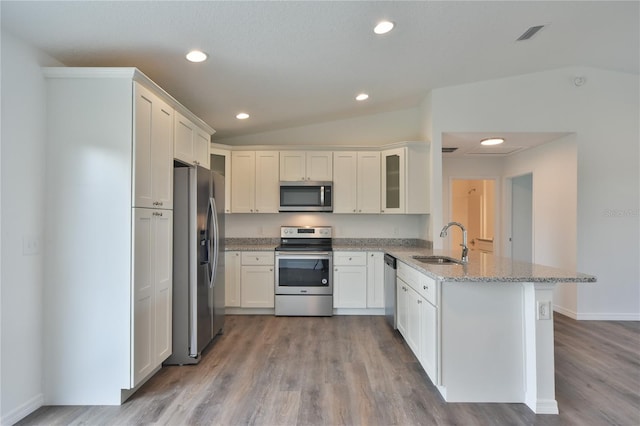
point(482, 267)
point(486, 267)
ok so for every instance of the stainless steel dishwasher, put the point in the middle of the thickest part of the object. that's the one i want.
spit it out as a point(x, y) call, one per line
point(390, 290)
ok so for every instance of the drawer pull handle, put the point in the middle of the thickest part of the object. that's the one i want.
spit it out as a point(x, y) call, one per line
point(425, 287)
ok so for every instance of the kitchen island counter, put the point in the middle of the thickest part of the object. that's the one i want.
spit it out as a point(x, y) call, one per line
point(482, 267)
point(485, 267)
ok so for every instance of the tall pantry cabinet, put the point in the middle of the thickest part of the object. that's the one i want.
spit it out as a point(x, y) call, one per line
point(108, 233)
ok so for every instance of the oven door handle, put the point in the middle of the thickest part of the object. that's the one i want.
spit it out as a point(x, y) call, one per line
point(303, 254)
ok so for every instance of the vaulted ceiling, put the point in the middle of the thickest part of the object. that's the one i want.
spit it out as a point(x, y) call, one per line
point(292, 63)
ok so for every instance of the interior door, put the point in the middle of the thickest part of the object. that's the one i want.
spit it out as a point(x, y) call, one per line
point(522, 218)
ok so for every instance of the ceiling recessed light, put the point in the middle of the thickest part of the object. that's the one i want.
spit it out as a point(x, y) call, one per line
point(242, 116)
point(383, 27)
point(362, 97)
point(492, 141)
point(196, 56)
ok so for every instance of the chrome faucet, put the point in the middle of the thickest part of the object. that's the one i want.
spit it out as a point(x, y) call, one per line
point(465, 249)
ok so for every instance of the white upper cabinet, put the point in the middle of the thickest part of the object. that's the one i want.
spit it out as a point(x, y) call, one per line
point(345, 182)
point(152, 148)
point(243, 181)
point(192, 144)
point(254, 182)
point(306, 165)
point(267, 183)
point(405, 179)
point(356, 182)
point(368, 182)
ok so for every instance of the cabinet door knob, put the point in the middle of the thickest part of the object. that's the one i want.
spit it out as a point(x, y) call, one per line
point(271, 269)
point(425, 287)
point(256, 210)
point(419, 301)
point(257, 259)
point(354, 210)
point(349, 259)
point(336, 269)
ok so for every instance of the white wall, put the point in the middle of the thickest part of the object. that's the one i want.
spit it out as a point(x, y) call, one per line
point(554, 169)
point(371, 130)
point(603, 114)
point(344, 225)
point(22, 180)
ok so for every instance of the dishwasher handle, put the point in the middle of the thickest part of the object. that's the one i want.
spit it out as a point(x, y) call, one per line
point(390, 261)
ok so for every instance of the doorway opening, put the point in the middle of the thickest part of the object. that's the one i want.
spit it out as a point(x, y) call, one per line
point(473, 203)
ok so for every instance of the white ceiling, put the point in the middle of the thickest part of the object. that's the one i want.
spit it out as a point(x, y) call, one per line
point(294, 63)
point(468, 144)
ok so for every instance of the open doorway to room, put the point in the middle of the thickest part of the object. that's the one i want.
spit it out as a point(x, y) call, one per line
point(473, 203)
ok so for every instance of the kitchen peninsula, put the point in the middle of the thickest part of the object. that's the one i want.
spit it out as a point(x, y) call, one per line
point(483, 331)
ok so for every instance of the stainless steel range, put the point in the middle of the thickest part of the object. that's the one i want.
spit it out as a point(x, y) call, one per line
point(304, 264)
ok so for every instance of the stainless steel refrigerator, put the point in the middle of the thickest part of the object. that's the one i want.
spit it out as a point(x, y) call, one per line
point(198, 261)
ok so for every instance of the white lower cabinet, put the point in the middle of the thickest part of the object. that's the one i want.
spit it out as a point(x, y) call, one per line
point(232, 291)
point(257, 280)
point(350, 287)
point(417, 314)
point(358, 279)
point(428, 339)
point(350, 279)
point(152, 288)
point(401, 306)
point(375, 279)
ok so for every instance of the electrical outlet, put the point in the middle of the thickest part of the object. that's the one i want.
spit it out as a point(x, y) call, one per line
point(30, 245)
point(543, 311)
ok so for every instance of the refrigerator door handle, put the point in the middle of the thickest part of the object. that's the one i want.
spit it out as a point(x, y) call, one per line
point(212, 223)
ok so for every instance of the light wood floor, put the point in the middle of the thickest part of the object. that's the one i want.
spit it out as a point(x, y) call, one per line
point(353, 370)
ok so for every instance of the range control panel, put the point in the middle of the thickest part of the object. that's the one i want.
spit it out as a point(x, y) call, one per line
point(305, 231)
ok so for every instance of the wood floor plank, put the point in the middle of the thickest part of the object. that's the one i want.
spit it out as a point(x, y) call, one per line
point(355, 370)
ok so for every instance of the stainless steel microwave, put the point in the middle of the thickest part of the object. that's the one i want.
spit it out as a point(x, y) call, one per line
point(306, 196)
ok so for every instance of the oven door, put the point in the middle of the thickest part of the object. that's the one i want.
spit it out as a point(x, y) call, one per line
point(304, 272)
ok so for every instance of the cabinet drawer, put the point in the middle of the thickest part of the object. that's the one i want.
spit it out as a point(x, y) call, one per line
point(428, 289)
point(257, 258)
point(409, 275)
point(422, 284)
point(350, 258)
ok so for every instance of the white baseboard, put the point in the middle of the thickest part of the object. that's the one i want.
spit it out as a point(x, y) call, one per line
point(336, 311)
point(545, 406)
point(597, 316)
point(564, 311)
point(608, 316)
point(249, 311)
point(19, 413)
point(358, 311)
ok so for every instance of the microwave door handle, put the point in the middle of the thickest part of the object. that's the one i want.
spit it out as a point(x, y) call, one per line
point(322, 195)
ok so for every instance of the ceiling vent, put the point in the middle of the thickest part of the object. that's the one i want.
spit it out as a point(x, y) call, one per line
point(448, 150)
point(530, 33)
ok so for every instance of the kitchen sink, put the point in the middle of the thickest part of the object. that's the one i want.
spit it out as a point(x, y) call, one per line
point(437, 260)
